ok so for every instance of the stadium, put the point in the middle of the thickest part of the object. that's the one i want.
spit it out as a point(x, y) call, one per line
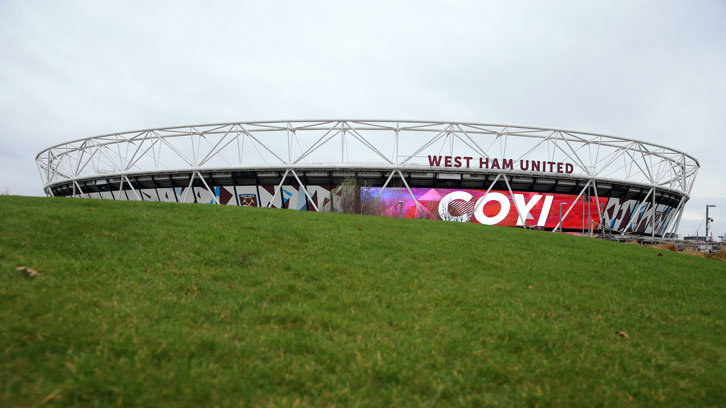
point(528, 177)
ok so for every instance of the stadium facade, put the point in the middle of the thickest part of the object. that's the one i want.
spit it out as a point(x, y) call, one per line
point(467, 172)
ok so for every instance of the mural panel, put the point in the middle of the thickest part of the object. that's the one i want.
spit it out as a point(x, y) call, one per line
point(500, 208)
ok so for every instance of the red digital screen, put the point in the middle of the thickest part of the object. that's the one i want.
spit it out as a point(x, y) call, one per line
point(496, 208)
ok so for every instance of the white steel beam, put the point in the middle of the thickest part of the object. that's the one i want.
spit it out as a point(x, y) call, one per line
point(305, 190)
point(483, 198)
point(385, 184)
point(575, 201)
point(214, 196)
point(520, 217)
point(637, 209)
point(421, 211)
point(189, 187)
point(132, 187)
point(277, 190)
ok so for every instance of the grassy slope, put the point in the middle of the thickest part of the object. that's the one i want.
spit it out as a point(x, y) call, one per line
point(165, 304)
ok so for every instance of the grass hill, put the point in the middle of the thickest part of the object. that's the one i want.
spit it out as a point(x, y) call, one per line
point(155, 304)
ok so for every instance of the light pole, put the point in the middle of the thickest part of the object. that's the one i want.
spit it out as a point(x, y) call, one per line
point(561, 204)
point(708, 219)
point(583, 215)
point(589, 214)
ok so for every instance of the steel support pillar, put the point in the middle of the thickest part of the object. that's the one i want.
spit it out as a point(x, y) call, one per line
point(214, 196)
point(597, 204)
point(278, 189)
point(305, 190)
point(411, 193)
point(132, 187)
point(189, 187)
point(516, 207)
point(575, 201)
point(385, 184)
point(637, 209)
point(481, 200)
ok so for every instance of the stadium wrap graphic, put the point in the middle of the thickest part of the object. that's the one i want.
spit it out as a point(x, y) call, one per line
point(461, 205)
point(289, 196)
point(498, 208)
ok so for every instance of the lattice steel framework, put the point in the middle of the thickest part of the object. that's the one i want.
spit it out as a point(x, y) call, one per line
point(387, 145)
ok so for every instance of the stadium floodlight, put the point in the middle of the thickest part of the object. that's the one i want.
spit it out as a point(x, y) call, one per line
point(457, 171)
point(708, 220)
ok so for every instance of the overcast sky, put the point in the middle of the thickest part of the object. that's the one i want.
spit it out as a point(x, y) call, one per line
point(649, 70)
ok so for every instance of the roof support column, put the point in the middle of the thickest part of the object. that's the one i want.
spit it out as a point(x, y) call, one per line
point(679, 213)
point(189, 187)
point(652, 218)
point(132, 187)
point(516, 207)
point(630, 219)
point(277, 190)
point(214, 196)
point(75, 184)
point(575, 201)
point(597, 204)
point(385, 184)
point(481, 200)
point(411, 193)
point(305, 190)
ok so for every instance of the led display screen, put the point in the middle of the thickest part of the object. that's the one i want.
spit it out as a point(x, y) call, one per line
point(500, 208)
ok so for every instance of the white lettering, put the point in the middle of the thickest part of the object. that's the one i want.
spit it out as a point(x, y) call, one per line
point(446, 201)
point(545, 211)
point(503, 210)
point(525, 208)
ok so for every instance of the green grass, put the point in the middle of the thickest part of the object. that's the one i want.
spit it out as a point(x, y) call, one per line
point(154, 304)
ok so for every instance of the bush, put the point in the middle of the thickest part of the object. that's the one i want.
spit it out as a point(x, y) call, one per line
point(720, 255)
point(346, 196)
point(695, 253)
point(667, 247)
